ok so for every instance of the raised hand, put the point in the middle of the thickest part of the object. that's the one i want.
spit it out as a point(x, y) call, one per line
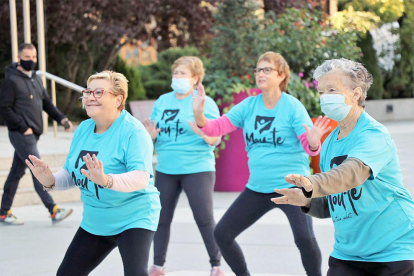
point(198, 105)
point(299, 181)
point(150, 127)
point(292, 197)
point(320, 127)
point(41, 171)
point(95, 172)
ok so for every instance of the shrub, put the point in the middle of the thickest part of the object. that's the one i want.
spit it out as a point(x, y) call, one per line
point(136, 90)
point(370, 61)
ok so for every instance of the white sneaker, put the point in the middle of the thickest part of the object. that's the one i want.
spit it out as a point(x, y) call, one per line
point(60, 214)
point(216, 271)
point(10, 219)
point(154, 271)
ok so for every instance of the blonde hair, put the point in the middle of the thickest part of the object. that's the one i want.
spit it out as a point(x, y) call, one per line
point(194, 64)
point(282, 67)
point(119, 83)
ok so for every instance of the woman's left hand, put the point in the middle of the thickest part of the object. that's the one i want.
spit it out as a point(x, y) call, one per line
point(299, 181)
point(95, 172)
point(196, 129)
point(320, 128)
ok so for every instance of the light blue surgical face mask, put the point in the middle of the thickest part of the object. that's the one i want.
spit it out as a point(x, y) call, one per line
point(181, 86)
point(333, 106)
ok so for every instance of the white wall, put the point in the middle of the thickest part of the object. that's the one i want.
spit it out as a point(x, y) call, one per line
point(402, 109)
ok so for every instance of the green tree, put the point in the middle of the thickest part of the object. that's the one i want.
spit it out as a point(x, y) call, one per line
point(304, 40)
point(234, 47)
point(402, 78)
point(387, 10)
point(370, 61)
point(233, 51)
point(136, 90)
point(362, 16)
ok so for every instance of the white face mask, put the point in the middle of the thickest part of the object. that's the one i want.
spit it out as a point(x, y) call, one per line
point(181, 86)
point(334, 106)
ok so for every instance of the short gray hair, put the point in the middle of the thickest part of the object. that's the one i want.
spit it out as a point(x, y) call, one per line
point(358, 74)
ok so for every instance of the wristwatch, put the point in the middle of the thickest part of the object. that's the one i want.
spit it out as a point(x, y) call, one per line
point(48, 189)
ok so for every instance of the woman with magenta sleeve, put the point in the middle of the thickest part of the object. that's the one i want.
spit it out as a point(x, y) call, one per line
point(279, 139)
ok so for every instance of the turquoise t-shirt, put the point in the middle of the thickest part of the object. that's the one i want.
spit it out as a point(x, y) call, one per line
point(272, 143)
point(125, 146)
point(375, 221)
point(179, 150)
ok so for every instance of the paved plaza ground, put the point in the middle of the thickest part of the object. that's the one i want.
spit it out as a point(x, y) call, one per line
point(37, 248)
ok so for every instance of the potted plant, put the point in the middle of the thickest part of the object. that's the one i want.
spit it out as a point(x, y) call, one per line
point(232, 172)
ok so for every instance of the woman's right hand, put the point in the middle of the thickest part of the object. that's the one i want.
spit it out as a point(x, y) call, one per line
point(150, 127)
point(41, 171)
point(198, 106)
point(292, 197)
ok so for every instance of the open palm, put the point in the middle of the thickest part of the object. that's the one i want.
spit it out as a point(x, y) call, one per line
point(320, 128)
point(150, 127)
point(41, 171)
point(199, 100)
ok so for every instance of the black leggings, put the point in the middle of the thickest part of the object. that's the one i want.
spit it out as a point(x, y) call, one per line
point(245, 211)
point(199, 190)
point(87, 251)
point(345, 268)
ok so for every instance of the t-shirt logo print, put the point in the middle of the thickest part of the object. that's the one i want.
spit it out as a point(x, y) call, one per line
point(83, 183)
point(338, 200)
point(169, 114)
point(263, 122)
point(267, 136)
point(168, 124)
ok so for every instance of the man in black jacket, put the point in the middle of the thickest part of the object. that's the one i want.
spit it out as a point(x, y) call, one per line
point(22, 99)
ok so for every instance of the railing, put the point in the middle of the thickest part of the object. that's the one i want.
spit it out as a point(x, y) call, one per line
point(53, 80)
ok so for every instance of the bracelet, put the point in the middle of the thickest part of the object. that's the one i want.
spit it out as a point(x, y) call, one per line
point(48, 189)
point(314, 148)
point(110, 183)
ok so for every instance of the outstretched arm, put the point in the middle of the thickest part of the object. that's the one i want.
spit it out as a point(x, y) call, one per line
point(350, 174)
point(315, 207)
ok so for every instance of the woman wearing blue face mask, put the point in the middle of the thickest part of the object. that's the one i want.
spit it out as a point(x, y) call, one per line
point(185, 160)
point(361, 185)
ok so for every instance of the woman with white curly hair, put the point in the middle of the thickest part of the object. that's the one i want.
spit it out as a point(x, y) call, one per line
point(361, 185)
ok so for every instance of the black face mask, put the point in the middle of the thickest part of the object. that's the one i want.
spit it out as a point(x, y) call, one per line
point(27, 65)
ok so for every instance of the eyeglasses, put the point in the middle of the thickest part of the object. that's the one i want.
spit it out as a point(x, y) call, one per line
point(97, 93)
point(266, 70)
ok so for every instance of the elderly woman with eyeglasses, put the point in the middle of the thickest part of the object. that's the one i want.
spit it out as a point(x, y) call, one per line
point(279, 138)
point(110, 160)
point(361, 185)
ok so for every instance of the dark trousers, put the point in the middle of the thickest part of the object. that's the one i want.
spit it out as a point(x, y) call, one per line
point(23, 146)
point(199, 190)
point(87, 251)
point(345, 268)
point(245, 211)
